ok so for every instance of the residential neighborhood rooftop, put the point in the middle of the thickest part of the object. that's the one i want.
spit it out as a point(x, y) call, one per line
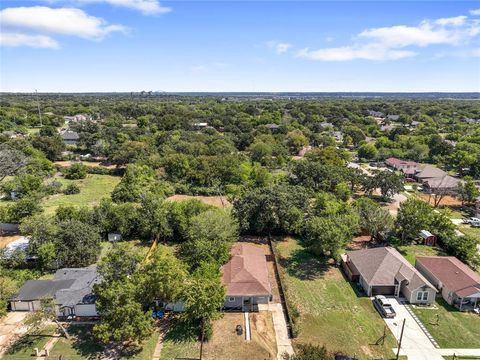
point(454, 274)
point(246, 273)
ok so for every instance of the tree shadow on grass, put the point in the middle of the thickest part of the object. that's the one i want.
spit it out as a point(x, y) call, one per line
point(178, 331)
point(84, 342)
point(26, 342)
point(304, 265)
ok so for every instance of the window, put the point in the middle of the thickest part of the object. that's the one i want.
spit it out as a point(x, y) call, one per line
point(231, 299)
point(422, 296)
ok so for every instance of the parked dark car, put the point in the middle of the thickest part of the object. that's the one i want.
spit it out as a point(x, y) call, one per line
point(384, 307)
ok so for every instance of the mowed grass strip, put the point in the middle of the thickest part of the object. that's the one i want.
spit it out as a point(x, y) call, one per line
point(92, 189)
point(454, 329)
point(331, 312)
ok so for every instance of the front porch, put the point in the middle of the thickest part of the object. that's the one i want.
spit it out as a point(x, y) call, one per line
point(470, 303)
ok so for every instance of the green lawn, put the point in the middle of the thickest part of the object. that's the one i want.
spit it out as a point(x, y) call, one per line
point(470, 231)
point(331, 313)
point(455, 329)
point(179, 342)
point(22, 349)
point(92, 189)
point(82, 346)
point(410, 252)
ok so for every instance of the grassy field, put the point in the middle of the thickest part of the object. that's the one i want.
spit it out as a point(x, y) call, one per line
point(455, 329)
point(92, 189)
point(410, 252)
point(332, 313)
point(82, 346)
point(22, 349)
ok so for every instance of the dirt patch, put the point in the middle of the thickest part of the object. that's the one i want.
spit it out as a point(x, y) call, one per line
point(5, 240)
point(69, 163)
point(446, 201)
point(219, 201)
point(227, 345)
point(359, 242)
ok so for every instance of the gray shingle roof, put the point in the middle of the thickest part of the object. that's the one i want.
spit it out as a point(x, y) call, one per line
point(384, 265)
point(70, 286)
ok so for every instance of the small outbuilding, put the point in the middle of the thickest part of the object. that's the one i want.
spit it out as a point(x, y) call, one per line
point(428, 238)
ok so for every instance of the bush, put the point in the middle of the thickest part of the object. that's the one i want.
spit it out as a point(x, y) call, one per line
point(72, 189)
point(76, 171)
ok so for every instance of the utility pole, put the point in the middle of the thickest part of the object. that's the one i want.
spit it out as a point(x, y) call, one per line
point(202, 338)
point(400, 340)
point(38, 106)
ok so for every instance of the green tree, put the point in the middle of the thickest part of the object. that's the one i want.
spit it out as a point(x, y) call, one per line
point(165, 277)
point(276, 209)
point(78, 244)
point(8, 288)
point(329, 235)
point(136, 182)
point(373, 218)
point(122, 317)
point(413, 216)
point(367, 151)
point(211, 235)
point(76, 171)
point(468, 190)
point(204, 295)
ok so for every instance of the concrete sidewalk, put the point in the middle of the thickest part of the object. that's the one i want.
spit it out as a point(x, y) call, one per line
point(284, 344)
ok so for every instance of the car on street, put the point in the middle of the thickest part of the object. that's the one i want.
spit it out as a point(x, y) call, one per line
point(383, 306)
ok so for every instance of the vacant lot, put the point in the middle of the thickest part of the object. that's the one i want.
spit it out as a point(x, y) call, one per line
point(219, 201)
point(226, 344)
point(92, 189)
point(454, 329)
point(331, 312)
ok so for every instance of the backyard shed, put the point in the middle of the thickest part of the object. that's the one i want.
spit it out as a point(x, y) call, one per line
point(428, 238)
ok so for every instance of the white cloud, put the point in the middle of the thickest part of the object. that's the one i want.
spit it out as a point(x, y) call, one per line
point(147, 7)
point(61, 21)
point(389, 43)
point(475, 12)
point(346, 53)
point(454, 21)
point(279, 47)
point(35, 41)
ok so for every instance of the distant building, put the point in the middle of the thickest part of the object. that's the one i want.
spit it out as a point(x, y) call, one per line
point(393, 117)
point(200, 125)
point(376, 114)
point(77, 118)
point(70, 137)
point(398, 164)
point(272, 127)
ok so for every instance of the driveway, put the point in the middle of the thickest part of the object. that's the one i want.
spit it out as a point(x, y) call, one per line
point(415, 344)
point(11, 326)
point(284, 344)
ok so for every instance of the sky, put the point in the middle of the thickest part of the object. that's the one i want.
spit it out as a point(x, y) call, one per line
point(272, 46)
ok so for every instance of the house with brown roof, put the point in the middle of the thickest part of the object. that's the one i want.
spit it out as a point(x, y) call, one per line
point(458, 284)
point(398, 164)
point(245, 278)
point(384, 271)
